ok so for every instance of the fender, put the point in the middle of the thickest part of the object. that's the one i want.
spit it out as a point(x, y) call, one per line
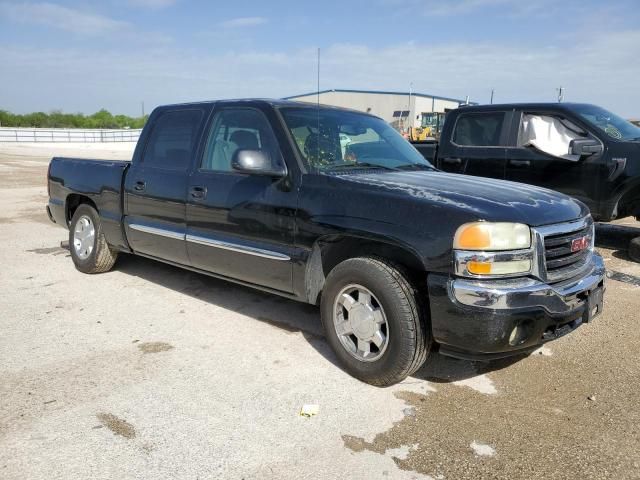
point(346, 237)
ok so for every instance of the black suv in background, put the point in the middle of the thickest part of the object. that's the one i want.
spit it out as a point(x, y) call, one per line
point(579, 149)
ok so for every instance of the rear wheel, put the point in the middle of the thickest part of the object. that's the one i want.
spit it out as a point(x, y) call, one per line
point(90, 251)
point(373, 320)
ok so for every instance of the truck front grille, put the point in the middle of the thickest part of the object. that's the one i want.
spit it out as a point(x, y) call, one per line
point(560, 262)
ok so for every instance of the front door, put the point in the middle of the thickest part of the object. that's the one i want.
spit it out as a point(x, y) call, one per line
point(240, 225)
point(477, 145)
point(156, 185)
point(540, 155)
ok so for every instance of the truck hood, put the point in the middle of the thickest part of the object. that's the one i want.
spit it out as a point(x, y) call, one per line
point(480, 198)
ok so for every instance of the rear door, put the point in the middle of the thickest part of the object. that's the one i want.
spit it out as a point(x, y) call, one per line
point(476, 145)
point(546, 162)
point(241, 225)
point(156, 184)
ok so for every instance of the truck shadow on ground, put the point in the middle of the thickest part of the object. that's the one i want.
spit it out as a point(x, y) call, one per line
point(287, 315)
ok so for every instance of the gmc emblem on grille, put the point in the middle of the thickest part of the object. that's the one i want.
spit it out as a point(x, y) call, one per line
point(580, 244)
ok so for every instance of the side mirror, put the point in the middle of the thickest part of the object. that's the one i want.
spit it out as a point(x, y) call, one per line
point(585, 146)
point(256, 162)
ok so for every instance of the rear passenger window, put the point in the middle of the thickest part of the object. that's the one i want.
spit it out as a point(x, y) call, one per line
point(173, 140)
point(479, 129)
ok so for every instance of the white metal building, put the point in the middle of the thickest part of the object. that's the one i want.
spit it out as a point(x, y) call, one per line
point(400, 109)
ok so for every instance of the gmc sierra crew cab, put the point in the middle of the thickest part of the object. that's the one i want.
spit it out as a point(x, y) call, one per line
point(582, 150)
point(333, 207)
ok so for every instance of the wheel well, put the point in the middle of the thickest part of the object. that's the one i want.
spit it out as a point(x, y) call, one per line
point(329, 252)
point(74, 201)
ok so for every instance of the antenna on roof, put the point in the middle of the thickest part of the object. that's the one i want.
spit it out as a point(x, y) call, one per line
point(318, 84)
point(318, 107)
point(560, 94)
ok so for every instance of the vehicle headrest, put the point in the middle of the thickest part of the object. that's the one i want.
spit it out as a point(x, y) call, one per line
point(245, 140)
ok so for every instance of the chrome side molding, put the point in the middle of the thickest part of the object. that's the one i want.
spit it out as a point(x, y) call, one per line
point(234, 247)
point(157, 231)
point(210, 242)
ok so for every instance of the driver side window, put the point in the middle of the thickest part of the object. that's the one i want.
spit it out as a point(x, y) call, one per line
point(233, 130)
point(550, 134)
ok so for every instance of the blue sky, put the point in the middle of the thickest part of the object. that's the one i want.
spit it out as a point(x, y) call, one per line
point(83, 56)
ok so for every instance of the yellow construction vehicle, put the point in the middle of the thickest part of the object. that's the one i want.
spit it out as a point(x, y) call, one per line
point(429, 129)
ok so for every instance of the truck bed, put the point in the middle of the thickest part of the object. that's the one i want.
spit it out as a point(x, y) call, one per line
point(99, 180)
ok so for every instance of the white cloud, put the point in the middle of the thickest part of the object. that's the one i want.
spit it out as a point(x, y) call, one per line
point(601, 69)
point(60, 17)
point(244, 22)
point(153, 4)
point(462, 7)
point(465, 7)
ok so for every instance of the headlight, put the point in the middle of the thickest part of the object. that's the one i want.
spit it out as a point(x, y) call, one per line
point(484, 249)
point(487, 236)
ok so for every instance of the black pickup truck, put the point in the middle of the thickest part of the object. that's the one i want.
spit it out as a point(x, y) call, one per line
point(401, 258)
point(579, 149)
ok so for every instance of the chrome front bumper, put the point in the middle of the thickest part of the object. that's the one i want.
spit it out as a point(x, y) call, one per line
point(528, 292)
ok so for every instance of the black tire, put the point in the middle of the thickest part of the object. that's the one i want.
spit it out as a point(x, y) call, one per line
point(409, 333)
point(634, 249)
point(103, 256)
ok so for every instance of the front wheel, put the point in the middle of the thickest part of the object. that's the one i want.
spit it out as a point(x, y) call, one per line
point(373, 321)
point(90, 251)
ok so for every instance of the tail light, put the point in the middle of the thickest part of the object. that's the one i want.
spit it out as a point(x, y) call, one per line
point(47, 179)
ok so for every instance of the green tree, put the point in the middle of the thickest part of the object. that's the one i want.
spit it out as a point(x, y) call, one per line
point(59, 119)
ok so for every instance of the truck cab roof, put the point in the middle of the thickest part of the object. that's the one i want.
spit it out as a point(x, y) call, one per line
point(549, 106)
point(272, 102)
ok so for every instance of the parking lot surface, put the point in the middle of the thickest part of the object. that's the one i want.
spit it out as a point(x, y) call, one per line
point(150, 371)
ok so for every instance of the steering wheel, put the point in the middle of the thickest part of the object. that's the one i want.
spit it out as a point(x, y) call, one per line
point(320, 149)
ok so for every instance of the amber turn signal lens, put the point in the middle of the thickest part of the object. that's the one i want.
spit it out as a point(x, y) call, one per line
point(479, 268)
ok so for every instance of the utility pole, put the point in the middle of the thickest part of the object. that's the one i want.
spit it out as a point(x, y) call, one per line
point(143, 109)
point(492, 91)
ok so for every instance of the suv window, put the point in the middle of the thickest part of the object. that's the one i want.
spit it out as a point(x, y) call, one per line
point(237, 129)
point(479, 129)
point(173, 139)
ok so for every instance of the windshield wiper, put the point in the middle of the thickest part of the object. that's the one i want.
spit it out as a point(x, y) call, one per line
point(361, 165)
point(415, 166)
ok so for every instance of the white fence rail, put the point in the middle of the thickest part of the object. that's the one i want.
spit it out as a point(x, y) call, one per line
point(81, 135)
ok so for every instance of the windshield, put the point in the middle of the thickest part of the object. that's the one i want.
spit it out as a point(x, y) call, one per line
point(333, 140)
point(610, 123)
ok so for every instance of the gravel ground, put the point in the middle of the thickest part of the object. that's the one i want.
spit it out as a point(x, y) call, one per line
point(150, 371)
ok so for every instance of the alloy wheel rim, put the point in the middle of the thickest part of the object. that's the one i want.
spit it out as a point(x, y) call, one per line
point(84, 235)
point(360, 323)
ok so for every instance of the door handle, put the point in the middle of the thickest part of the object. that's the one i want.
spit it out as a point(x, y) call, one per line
point(140, 186)
point(198, 192)
point(452, 160)
point(520, 163)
